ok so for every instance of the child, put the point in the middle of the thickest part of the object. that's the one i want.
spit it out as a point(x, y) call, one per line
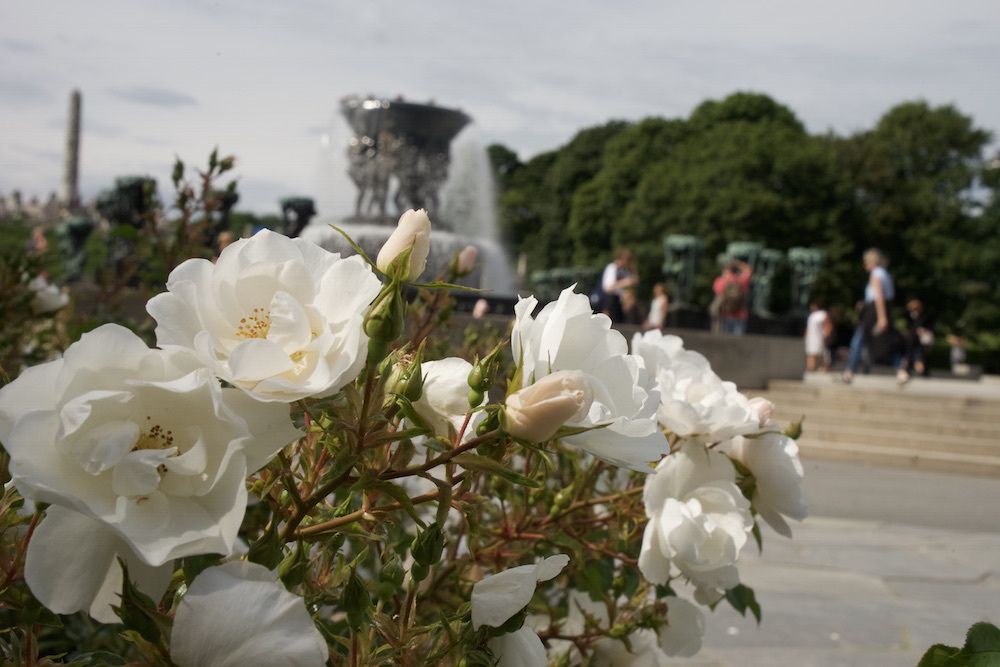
point(657, 317)
point(818, 329)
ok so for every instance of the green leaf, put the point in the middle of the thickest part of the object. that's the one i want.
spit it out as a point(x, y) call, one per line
point(398, 494)
point(267, 550)
point(192, 566)
point(138, 611)
point(440, 284)
point(356, 601)
point(939, 655)
point(758, 537)
point(358, 249)
point(596, 578)
point(982, 649)
point(567, 431)
point(294, 568)
point(489, 466)
point(742, 598)
point(97, 659)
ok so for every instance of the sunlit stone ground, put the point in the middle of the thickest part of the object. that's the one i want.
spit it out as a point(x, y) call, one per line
point(890, 562)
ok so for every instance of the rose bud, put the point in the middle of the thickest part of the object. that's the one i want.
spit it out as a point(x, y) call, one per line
point(536, 412)
point(763, 408)
point(466, 261)
point(414, 234)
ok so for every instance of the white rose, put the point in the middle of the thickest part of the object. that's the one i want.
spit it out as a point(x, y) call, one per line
point(238, 614)
point(143, 440)
point(499, 596)
point(413, 232)
point(568, 336)
point(536, 412)
point(91, 579)
point(444, 401)
point(496, 598)
point(696, 403)
point(698, 519)
point(280, 318)
point(521, 648)
point(47, 297)
point(773, 458)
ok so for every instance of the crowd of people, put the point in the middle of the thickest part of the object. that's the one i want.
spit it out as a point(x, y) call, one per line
point(873, 339)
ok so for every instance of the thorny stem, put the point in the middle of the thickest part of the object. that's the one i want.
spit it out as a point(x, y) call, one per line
point(21, 549)
point(635, 490)
point(332, 524)
point(328, 488)
point(443, 458)
point(290, 485)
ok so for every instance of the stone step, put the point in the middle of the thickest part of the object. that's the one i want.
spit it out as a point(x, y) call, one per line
point(964, 396)
point(944, 425)
point(872, 403)
point(914, 441)
point(901, 457)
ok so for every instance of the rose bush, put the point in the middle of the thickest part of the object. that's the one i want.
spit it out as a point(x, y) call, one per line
point(406, 509)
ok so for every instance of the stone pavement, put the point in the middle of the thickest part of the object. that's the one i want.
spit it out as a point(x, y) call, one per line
point(890, 562)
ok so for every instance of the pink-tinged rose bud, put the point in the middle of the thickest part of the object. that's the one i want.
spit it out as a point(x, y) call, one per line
point(414, 233)
point(467, 259)
point(763, 408)
point(480, 309)
point(536, 412)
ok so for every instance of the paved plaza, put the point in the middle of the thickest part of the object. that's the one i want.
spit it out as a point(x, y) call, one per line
point(889, 562)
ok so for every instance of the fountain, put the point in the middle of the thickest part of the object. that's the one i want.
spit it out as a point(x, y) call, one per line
point(405, 155)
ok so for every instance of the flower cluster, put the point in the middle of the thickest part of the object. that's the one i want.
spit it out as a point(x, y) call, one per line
point(286, 480)
point(700, 516)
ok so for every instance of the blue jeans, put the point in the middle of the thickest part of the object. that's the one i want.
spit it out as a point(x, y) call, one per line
point(733, 326)
point(857, 347)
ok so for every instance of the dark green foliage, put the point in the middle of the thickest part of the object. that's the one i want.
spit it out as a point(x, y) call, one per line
point(745, 169)
point(982, 649)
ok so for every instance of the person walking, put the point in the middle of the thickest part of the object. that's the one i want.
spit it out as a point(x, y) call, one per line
point(731, 289)
point(874, 329)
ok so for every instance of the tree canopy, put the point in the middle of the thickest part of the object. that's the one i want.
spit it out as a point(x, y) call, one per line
point(745, 169)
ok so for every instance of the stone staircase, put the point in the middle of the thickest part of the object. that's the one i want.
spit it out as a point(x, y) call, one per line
point(935, 425)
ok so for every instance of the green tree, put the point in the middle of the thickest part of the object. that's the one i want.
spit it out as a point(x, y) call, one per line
point(915, 172)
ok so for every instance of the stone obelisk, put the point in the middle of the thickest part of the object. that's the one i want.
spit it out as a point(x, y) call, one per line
point(71, 169)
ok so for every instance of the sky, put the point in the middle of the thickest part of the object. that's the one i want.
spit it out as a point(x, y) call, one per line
point(263, 79)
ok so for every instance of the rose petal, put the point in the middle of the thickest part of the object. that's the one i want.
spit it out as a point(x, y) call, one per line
point(71, 566)
point(237, 614)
